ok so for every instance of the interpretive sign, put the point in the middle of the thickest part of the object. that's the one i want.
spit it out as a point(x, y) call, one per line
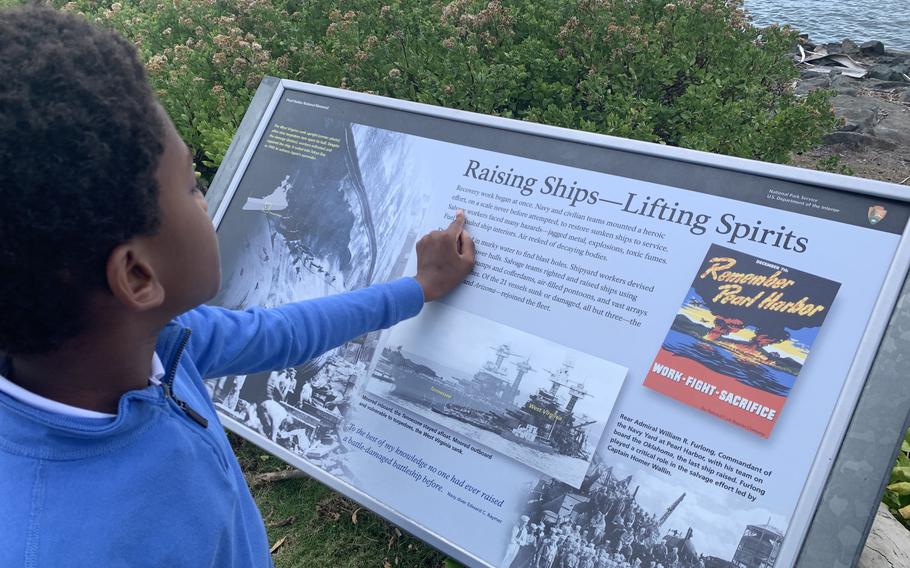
point(607, 388)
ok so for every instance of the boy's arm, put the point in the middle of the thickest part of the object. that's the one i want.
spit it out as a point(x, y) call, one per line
point(241, 342)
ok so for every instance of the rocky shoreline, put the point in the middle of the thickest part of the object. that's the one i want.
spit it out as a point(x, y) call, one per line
point(873, 139)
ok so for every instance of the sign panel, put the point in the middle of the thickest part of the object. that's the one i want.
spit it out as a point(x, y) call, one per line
point(607, 388)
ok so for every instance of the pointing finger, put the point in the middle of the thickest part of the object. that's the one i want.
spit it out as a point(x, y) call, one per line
point(457, 225)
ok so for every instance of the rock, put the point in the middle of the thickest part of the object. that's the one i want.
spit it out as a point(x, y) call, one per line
point(813, 82)
point(833, 48)
point(858, 113)
point(845, 82)
point(885, 85)
point(857, 141)
point(849, 47)
point(888, 543)
point(845, 85)
point(871, 121)
point(872, 48)
point(895, 137)
point(884, 72)
point(808, 75)
point(803, 40)
point(893, 59)
point(905, 98)
point(892, 123)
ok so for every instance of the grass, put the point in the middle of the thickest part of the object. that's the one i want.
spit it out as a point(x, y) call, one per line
point(310, 525)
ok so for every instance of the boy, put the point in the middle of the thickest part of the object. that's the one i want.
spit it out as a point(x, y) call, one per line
point(110, 449)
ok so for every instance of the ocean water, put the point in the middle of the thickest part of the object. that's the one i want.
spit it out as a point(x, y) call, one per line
point(887, 21)
point(722, 361)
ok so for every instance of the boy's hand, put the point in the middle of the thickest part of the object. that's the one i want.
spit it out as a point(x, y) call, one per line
point(444, 259)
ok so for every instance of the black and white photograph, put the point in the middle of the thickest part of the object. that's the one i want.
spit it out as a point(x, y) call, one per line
point(628, 517)
point(535, 401)
point(305, 227)
point(298, 411)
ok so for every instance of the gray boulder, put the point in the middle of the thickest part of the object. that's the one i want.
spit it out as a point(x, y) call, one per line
point(884, 72)
point(845, 82)
point(893, 58)
point(872, 48)
point(858, 113)
point(806, 42)
point(813, 82)
point(885, 85)
point(849, 47)
point(871, 121)
point(857, 140)
point(807, 75)
point(892, 123)
point(846, 85)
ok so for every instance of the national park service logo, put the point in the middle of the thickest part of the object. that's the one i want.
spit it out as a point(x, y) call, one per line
point(876, 214)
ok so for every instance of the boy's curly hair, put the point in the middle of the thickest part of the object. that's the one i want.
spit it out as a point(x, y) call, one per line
point(80, 140)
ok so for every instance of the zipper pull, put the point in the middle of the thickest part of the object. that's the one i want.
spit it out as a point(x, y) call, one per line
point(186, 408)
point(169, 379)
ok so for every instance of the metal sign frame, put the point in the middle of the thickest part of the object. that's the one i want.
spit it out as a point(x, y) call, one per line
point(854, 459)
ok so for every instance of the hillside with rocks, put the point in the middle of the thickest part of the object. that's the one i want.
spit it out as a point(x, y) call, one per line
point(873, 139)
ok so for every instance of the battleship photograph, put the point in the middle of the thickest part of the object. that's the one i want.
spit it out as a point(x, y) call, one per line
point(535, 401)
point(607, 522)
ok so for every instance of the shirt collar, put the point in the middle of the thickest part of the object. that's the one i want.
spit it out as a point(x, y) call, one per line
point(157, 370)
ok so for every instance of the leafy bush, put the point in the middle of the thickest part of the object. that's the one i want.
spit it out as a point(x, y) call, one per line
point(691, 73)
point(897, 493)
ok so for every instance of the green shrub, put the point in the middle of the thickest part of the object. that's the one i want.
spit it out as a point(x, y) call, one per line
point(691, 73)
point(897, 493)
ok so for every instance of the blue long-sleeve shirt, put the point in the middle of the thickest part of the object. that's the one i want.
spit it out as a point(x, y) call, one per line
point(152, 487)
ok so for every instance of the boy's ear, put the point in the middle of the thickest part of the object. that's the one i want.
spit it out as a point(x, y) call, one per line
point(132, 279)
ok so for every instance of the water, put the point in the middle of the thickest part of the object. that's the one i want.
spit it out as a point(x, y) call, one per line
point(722, 361)
point(887, 21)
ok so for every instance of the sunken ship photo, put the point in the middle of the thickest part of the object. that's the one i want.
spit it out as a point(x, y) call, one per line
point(537, 402)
